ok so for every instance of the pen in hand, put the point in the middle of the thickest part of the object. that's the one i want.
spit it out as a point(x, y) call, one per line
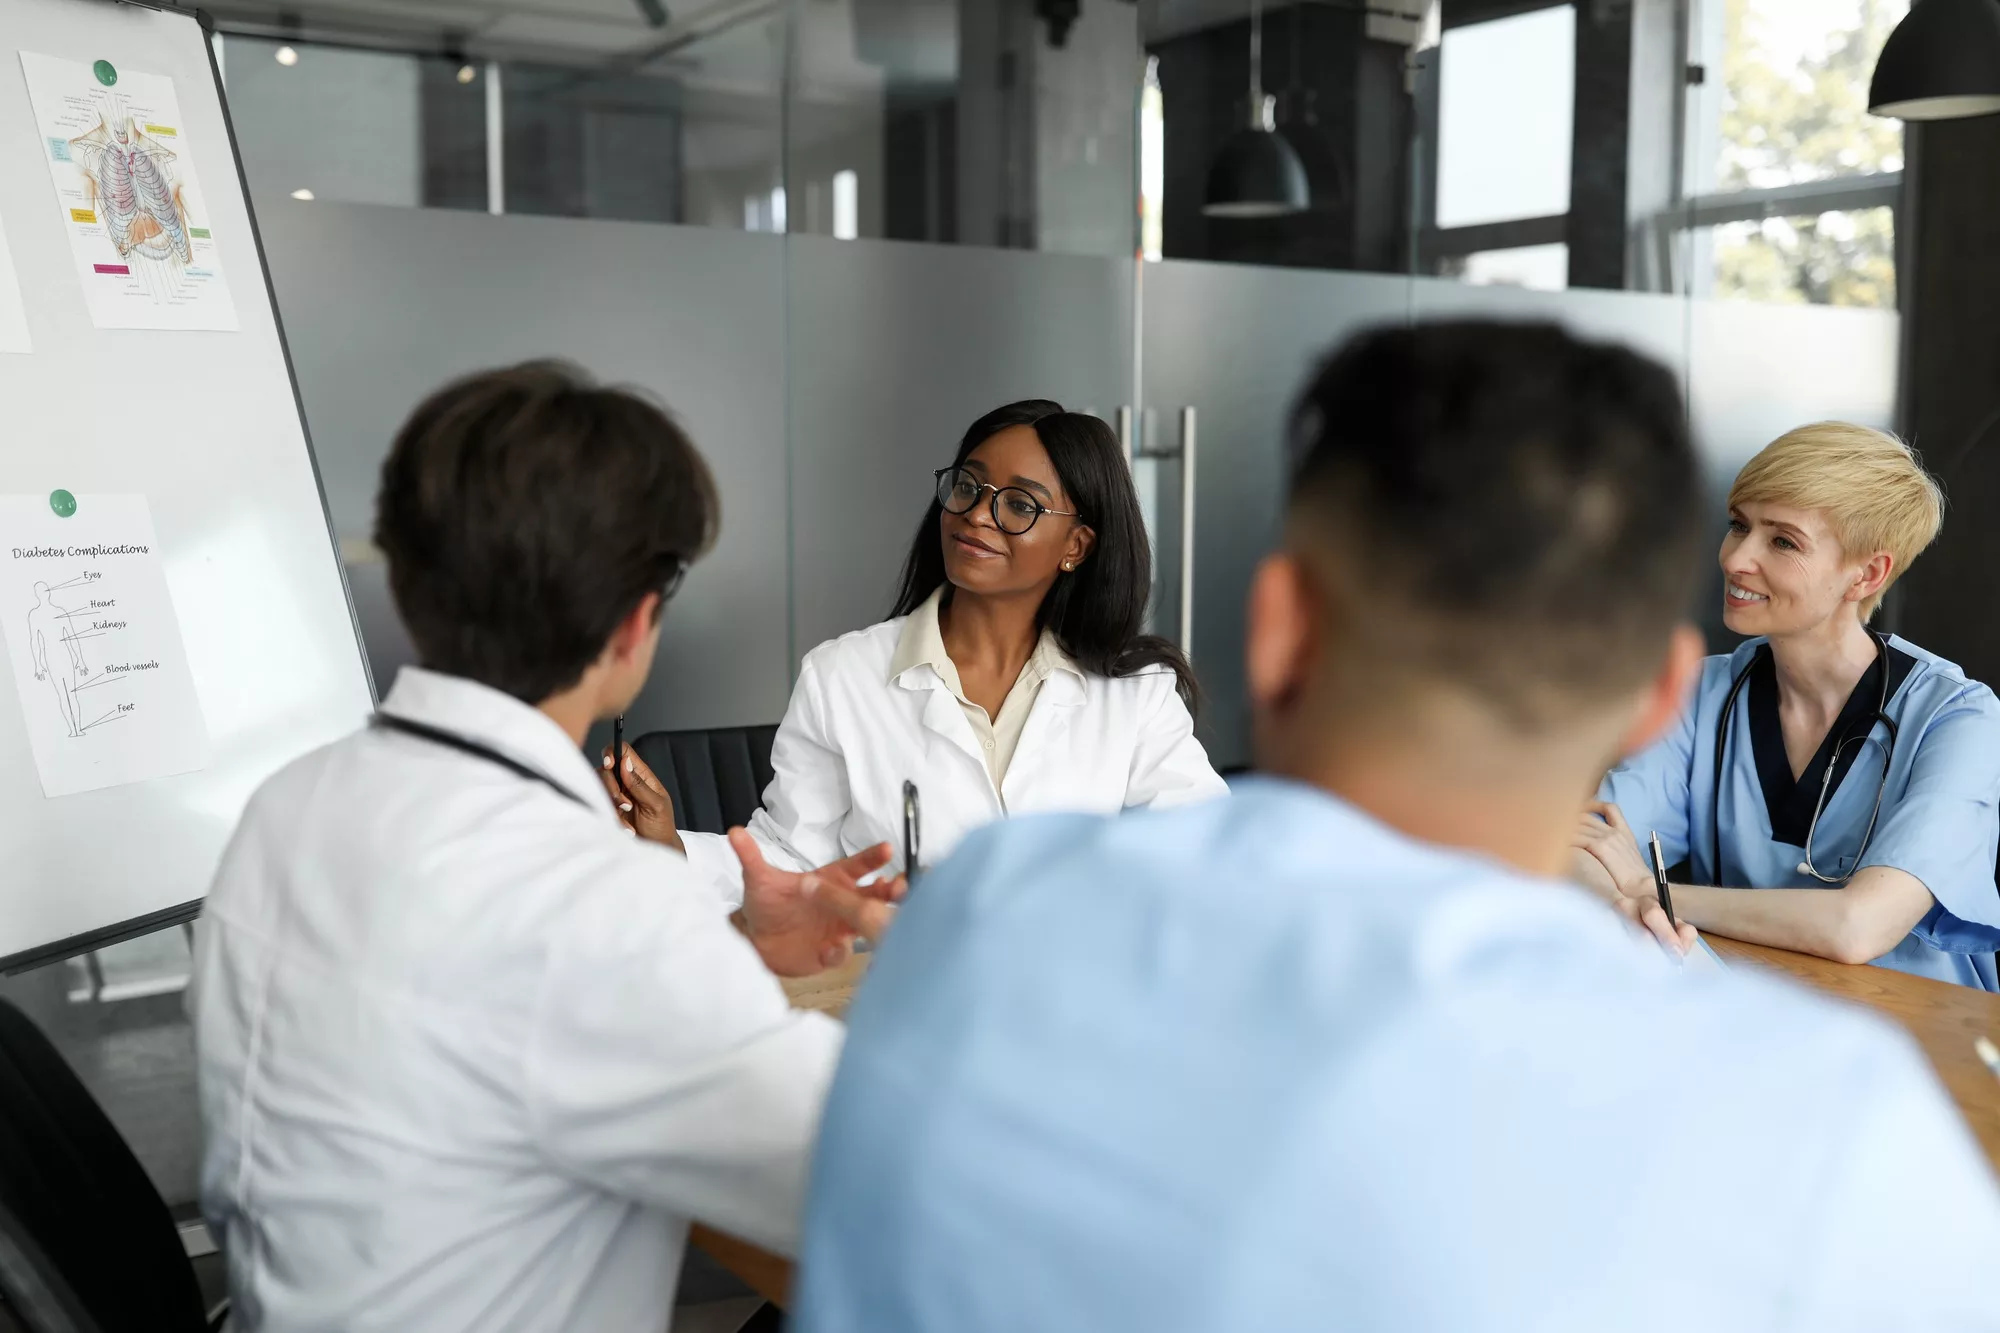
point(1660, 883)
point(618, 752)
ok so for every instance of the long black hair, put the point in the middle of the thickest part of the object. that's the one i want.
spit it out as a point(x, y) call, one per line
point(1096, 610)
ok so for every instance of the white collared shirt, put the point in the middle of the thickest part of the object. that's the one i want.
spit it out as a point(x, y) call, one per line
point(470, 1056)
point(861, 722)
point(922, 644)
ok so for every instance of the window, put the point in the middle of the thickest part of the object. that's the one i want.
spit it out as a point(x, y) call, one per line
point(1498, 100)
point(1793, 184)
point(328, 123)
point(846, 205)
point(1794, 95)
point(1506, 112)
point(1152, 162)
point(1542, 268)
point(1835, 258)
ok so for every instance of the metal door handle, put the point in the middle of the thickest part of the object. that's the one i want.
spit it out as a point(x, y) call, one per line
point(1187, 531)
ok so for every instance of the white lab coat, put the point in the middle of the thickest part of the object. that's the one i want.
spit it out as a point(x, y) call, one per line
point(854, 733)
point(470, 1055)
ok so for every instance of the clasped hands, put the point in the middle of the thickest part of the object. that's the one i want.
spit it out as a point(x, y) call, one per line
point(800, 921)
point(1606, 861)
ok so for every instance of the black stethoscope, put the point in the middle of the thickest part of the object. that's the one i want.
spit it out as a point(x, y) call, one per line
point(1806, 867)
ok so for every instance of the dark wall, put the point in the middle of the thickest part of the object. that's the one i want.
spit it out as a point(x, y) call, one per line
point(920, 166)
point(1599, 158)
point(593, 146)
point(454, 130)
point(1342, 106)
point(1950, 602)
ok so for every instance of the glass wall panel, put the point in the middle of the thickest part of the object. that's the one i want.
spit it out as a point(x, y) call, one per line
point(895, 350)
point(383, 305)
point(326, 122)
point(1234, 343)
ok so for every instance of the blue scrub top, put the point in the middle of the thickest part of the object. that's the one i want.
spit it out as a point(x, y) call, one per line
point(1266, 1064)
point(1940, 817)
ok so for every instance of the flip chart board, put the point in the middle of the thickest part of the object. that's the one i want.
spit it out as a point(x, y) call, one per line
point(173, 613)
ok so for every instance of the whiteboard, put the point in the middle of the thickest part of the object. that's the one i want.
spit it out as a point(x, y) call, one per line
point(205, 427)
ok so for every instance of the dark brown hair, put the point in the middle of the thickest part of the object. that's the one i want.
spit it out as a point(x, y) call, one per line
point(525, 512)
point(1505, 507)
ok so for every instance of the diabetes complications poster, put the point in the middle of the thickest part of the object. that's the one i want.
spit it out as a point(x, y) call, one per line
point(99, 663)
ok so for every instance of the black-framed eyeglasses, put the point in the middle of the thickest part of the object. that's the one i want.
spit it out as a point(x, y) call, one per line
point(675, 580)
point(1014, 510)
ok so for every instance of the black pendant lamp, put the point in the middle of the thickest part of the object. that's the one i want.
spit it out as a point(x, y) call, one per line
point(1941, 63)
point(1257, 174)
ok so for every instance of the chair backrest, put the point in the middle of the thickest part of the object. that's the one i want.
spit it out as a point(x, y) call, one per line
point(77, 1202)
point(716, 777)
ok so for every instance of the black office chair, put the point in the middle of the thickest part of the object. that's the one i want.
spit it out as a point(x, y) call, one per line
point(716, 777)
point(86, 1244)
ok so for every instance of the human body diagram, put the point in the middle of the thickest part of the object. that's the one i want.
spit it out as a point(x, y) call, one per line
point(135, 188)
point(63, 619)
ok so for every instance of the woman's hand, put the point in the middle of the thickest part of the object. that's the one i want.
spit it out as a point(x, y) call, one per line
point(1588, 871)
point(1602, 832)
point(642, 801)
point(1646, 913)
point(805, 921)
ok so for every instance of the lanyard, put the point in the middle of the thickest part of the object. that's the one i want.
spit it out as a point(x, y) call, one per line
point(453, 741)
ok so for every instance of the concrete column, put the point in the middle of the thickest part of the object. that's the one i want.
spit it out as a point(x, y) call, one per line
point(1950, 287)
point(1629, 65)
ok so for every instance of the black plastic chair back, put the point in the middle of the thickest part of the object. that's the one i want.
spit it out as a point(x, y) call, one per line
point(716, 777)
point(89, 1246)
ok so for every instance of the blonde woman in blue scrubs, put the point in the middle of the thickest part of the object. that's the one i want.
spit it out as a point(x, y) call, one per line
point(1854, 815)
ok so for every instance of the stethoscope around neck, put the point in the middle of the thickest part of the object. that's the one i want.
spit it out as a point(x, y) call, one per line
point(1806, 867)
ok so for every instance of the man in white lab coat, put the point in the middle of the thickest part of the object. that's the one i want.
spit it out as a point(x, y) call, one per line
point(471, 1055)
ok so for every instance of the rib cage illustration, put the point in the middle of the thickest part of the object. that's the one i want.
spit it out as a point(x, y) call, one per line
point(139, 202)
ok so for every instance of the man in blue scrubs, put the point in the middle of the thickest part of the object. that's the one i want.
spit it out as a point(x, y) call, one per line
point(1343, 1050)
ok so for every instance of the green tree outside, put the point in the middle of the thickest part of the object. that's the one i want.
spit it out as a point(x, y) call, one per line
point(1803, 121)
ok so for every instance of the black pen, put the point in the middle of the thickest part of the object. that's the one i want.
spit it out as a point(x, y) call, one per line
point(911, 831)
point(1660, 883)
point(618, 751)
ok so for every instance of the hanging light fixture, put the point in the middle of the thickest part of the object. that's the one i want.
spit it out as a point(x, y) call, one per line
point(1257, 174)
point(1941, 63)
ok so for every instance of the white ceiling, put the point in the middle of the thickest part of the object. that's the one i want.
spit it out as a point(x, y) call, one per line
point(730, 41)
point(565, 27)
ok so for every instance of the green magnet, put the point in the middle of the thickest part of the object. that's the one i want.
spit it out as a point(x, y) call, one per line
point(106, 72)
point(63, 503)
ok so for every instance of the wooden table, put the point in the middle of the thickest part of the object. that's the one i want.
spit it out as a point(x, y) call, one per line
point(1942, 1017)
point(763, 1272)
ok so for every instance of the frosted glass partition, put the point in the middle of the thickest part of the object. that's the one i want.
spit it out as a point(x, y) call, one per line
point(826, 379)
point(1655, 325)
point(384, 304)
point(1235, 342)
point(897, 348)
point(1756, 371)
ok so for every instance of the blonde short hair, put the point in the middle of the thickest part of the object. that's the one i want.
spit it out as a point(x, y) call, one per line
point(1870, 485)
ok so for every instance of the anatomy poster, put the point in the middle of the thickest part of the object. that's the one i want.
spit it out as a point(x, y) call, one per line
point(125, 184)
point(13, 313)
point(94, 643)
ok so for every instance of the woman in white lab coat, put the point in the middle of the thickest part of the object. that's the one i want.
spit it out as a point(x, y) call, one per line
point(1012, 678)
